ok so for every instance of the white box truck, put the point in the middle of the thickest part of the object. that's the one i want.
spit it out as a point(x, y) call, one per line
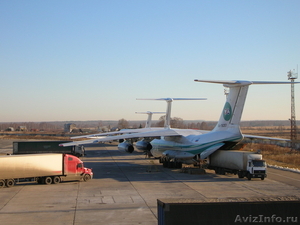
point(42, 168)
point(243, 163)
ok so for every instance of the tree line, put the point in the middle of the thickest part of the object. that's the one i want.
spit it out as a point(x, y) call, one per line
point(31, 126)
point(175, 122)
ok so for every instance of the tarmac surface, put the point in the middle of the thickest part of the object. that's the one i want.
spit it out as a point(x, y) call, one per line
point(125, 190)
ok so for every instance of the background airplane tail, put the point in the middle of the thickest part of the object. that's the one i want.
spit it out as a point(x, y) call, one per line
point(169, 104)
point(149, 120)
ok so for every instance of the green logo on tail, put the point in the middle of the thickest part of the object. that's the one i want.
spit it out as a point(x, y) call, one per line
point(227, 111)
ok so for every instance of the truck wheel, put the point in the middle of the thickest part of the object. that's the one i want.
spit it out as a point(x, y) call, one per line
point(10, 183)
point(262, 178)
point(222, 172)
point(165, 164)
point(171, 165)
point(47, 180)
point(178, 165)
point(40, 180)
point(86, 177)
point(56, 180)
point(2, 183)
point(249, 176)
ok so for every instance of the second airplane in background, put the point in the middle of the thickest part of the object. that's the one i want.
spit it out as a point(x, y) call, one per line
point(144, 144)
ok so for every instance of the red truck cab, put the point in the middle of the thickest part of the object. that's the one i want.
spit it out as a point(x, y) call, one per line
point(75, 170)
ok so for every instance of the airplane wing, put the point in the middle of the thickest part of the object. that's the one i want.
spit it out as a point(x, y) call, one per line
point(153, 133)
point(157, 133)
point(265, 138)
point(120, 132)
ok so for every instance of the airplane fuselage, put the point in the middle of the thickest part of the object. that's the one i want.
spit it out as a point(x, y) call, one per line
point(187, 147)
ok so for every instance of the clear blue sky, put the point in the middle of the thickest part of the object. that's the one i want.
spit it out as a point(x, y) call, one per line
point(90, 60)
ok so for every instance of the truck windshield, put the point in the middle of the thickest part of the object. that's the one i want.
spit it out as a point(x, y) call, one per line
point(259, 163)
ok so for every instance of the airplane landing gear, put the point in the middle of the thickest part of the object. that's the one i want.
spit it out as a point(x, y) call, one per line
point(167, 163)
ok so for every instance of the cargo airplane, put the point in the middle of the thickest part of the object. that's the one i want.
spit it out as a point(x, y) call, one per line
point(144, 144)
point(188, 146)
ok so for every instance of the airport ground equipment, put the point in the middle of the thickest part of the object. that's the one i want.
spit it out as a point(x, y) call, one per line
point(51, 168)
point(37, 147)
point(243, 163)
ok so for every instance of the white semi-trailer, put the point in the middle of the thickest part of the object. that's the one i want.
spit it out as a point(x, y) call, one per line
point(243, 163)
point(42, 168)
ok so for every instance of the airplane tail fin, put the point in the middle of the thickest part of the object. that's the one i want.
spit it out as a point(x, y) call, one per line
point(232, 111)
point(149, 120)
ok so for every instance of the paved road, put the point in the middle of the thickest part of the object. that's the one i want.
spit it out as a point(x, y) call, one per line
point(290, 178)
point(125, 190)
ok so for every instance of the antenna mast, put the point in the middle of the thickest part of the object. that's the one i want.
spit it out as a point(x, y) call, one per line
point(292, 76)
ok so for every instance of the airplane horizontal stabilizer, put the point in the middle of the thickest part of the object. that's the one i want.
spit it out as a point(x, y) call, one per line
point(171, 99)
point(273, 82)
point(148, 112)
point(243, 82)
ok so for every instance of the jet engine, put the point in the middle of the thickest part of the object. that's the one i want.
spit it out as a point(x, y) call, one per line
point(143, 145)
point(126, 146)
